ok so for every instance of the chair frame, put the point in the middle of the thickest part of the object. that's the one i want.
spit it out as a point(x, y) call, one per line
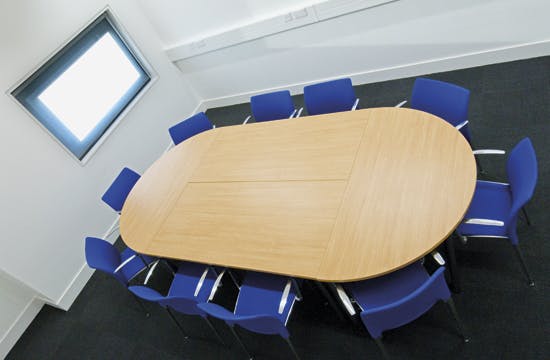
point(350, 305)
point(499, 223)
point(282, 305)
point(163, 302)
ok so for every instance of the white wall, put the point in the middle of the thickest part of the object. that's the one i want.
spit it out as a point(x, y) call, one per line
point(399, 39)
point(181, 21)
point(48, 201)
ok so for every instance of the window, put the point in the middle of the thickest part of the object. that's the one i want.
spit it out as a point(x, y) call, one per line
point(79, 93)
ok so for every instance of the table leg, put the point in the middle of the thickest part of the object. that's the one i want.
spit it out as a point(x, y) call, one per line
point(322, 287)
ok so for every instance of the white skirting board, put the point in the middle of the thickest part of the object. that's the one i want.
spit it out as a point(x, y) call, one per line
point(462, 61)
point(82, 276)
point(20, 325)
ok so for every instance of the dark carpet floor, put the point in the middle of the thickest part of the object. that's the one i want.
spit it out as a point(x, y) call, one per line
point(506, 319)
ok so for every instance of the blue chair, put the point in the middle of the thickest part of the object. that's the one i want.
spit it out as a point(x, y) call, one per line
point(192, 284)
point(396, 299)
point(264, 305)
point(330, 96)
point(118, 191)
point(273, 106)
point(124, 266)
point(448, 101)
point(116, 194)
point(189, 127)
point(103, 256)
point(495, 206)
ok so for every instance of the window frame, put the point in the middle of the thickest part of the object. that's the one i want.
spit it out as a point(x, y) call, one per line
point(64, 57)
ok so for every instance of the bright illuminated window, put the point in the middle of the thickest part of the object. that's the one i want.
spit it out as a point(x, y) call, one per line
point(83, 89)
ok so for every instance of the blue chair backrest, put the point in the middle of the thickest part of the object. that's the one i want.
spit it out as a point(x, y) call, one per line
point(328, 97)
point(103, 256)
point(409, 308)
point(273, 106)
point(250, 309)
point(522, 171)
point(189, 127)
point(448, 101)
point(116, 194)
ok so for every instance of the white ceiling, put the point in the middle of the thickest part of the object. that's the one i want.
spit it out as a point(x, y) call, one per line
point(178, 22)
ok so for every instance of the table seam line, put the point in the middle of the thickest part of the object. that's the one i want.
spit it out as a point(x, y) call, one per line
point(343, 196)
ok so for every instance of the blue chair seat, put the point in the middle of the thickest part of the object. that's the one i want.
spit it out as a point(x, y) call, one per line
point(490, 201)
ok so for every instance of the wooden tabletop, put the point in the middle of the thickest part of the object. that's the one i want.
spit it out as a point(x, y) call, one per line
point(337, 197)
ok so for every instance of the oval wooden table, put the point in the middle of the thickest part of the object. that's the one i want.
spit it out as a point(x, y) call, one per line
point(334, 198)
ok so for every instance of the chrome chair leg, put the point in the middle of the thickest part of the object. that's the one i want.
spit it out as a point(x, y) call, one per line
point(523, 265)
point(461, 327)
point(169, 266)
point(147, 265)
point(214, 330)
point(479, 167)
point(337, 309)
point(240, 342)
point(382, 348)
point(453, 267)
point(234, 279)
point(177, 323)
point(299, 296)
point(525, 216)
point(292, 348)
